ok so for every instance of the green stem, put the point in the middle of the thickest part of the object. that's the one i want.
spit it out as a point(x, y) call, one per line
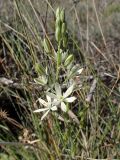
point(58, 64)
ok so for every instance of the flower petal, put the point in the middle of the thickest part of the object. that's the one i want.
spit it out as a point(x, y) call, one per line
point(63, 107)
point(48, 99)
point(69, 91)
point(70, 99)
point(54, 108)
point(40, 110)
point(80, 71)
point(56, 102)
point(44, 115)
point(58, 90)
point(51, 95)
point(42, 102)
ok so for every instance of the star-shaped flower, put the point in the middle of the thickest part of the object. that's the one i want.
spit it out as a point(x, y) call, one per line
point(60, 99)
point(49, 106)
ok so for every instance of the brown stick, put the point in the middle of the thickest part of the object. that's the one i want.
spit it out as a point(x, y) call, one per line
point(92, 89)
point(73, 116)
point(10, 83)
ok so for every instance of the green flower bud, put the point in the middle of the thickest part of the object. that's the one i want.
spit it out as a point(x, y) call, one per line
point(39, 69)
point(57, 12)
point(46, 45)
point(62, 15)
point(75, 68)
point(42, 80)
point(69, 60)
point(58, 23)
point(65, 40)
point(58, 34)
point(64, 28)
point(73, 71)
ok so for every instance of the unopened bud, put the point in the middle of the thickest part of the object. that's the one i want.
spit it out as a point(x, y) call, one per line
point(58, 23)
point(42, 80)
point(74, 69)
point(65, 40)
point(58, 34)
point(64, 28)
point(69, 60)
point(57, 12)
point(62, 15)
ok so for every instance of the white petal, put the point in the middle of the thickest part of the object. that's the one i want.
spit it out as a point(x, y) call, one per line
point(44, 115)
point(42, 102)
point(58, 90)
point(48, 99)
point(56, 102)
point(40, 110)
point(69, 91)
point(51, 95)
point(63, 107)
point(80, 71)
point(54, 108)
point(70, 99)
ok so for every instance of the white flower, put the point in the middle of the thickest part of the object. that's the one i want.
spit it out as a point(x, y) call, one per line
point(49, 106)
point(60, 98)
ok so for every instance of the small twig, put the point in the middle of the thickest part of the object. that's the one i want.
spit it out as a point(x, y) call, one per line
point(118, 78)
point(5, 81)
point(15, 143)
point(99, 24)
point(10, 83)
point(73, 116)
point(99, 51)
point(92, 89)
point(5, 116)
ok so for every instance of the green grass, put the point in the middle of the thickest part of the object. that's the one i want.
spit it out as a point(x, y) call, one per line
point(97, 136)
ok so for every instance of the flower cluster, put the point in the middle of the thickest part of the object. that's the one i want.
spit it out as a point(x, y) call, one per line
point(55, 100)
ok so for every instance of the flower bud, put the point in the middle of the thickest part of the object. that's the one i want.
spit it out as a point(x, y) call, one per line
point(74, 70)
point(42, 80)
point(62, 15)
point(64, 28)
point(58, 34)
point(65, 40)
point(58, 23)
point(69, 60)
point(57, 12)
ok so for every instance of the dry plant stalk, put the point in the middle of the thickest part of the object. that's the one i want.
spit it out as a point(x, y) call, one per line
point(92, 90)
point(5, 117)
